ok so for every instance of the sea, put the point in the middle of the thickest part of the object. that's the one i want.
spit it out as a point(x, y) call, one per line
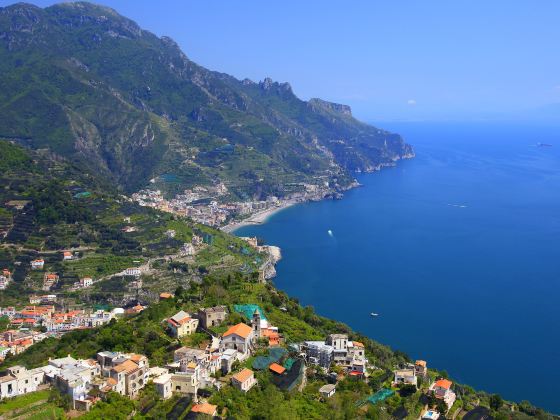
point(457, 250)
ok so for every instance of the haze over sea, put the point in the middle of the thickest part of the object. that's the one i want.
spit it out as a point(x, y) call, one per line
point(458, 250)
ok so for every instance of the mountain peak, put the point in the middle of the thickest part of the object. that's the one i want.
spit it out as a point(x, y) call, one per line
point(330, 106)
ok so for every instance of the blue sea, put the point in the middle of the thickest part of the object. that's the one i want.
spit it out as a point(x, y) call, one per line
point(458, 250)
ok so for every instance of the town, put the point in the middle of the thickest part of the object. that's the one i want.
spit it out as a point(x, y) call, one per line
point(234, 358)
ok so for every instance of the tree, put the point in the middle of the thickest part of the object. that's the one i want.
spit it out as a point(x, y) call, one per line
point(496, 402)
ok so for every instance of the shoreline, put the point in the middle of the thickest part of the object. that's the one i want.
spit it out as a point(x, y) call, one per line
point(259, 217)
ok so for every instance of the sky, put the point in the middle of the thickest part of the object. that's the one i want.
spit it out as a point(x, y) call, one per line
point(389, 60)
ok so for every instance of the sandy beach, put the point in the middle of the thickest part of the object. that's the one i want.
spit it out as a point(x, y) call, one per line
point(259, 217)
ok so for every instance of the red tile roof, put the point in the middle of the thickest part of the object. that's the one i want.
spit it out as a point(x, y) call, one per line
point(241, 329)
point(444, 383)
point(276, 368)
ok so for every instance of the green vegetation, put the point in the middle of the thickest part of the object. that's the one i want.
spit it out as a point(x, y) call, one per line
point(134, 108)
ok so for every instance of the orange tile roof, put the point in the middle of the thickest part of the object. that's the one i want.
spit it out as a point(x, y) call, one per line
point(276, 368)
point(444, 383)
point(127, 366)
point(165, 295)
point(421, 363)
point(137, 357)
point(358, 344)
point(204, 408)
point(111, 381)
point(241, 329)
point(243, 375)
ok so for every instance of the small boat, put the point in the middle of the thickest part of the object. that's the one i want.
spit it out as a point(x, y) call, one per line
point(374, 314)
point(544, 145)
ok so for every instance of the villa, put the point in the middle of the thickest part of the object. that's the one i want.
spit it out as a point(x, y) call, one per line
point(244, 380)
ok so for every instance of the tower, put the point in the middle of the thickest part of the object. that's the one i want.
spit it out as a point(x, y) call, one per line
point(257, 323)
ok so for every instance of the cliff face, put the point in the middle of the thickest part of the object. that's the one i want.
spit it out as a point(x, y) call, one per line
point(91, 85)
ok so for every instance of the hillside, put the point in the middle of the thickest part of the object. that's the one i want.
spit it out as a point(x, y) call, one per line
point(91, 85)
point(48, 205)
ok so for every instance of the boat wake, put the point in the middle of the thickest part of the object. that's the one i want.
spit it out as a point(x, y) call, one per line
point(461, 206)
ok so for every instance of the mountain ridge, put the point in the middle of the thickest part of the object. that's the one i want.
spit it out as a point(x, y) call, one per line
point(100, 90)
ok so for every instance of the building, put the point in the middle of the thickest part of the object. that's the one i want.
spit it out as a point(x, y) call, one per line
point(67, 255)
point(129, 371)
point(19, 381)
point(132, 271)
point(244, 380)
point(405, 377)
point(205, 408)
point(327, 391)
point(240, 337)
point(339, 342)
point(421, 368)
point(86, 282)
point(37, 264)
point(277, 369)
point(182, 324)
point(318, 353)
point(211, 317)
point(164, 386)
point(442, 390)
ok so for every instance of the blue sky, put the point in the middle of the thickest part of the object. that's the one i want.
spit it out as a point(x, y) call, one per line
point(389, 60)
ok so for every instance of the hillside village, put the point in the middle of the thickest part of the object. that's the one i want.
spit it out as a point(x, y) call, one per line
point(235, 358)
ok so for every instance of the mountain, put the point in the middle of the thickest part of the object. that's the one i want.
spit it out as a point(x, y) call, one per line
point(91, 85)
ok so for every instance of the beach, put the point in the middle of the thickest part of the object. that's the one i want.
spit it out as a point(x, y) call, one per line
point(258, 217)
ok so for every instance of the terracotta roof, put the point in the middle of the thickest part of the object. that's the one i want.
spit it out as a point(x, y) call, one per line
point(111, 381)
point(127, 366)
point(165, 295)
point(421, 363)
point(204, 408)
point(241, 329)
point(243, 375)
point(276, 368)
point(358, 344)
point(137, 357)
point(444, 383)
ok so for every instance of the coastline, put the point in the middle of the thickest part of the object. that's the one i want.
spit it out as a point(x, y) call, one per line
point(258, 218)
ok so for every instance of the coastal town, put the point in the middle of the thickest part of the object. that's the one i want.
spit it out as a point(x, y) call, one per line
point(210, 205)
point(235, 358)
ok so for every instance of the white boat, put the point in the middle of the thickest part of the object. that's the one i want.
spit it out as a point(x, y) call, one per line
point(374, 314)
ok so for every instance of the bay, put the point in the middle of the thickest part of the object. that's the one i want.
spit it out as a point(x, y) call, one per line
point(458, 250)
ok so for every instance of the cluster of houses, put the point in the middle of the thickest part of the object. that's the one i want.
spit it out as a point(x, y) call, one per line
point(54, 321)
point(5, 278)
point(339, 350)
point(440, 389)
point(84, 381)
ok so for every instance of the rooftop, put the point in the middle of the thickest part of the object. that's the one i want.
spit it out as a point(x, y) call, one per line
point(242, 330)
point(243, 375)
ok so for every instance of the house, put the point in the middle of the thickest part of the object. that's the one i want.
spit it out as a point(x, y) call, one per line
point(165, 295)
point(211, 317)
point(19, 381)
point(37, 264)
point(163, 386)
point(130, 371)
point(187, 379)
point(405, 377)
point(226, 360)
point(4, 282)
point(182, 324)
point(442, 390)
point(318, 353)
point(421, 368)
point(205, 408)
point(132, 271)
point(339, 342)
point(240, 337)
point(86, 282)
point(327, 391)
point(67, 255)
point(244, 380)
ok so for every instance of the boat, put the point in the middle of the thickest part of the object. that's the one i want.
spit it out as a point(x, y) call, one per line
point(544, 145)
point(374, 314)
